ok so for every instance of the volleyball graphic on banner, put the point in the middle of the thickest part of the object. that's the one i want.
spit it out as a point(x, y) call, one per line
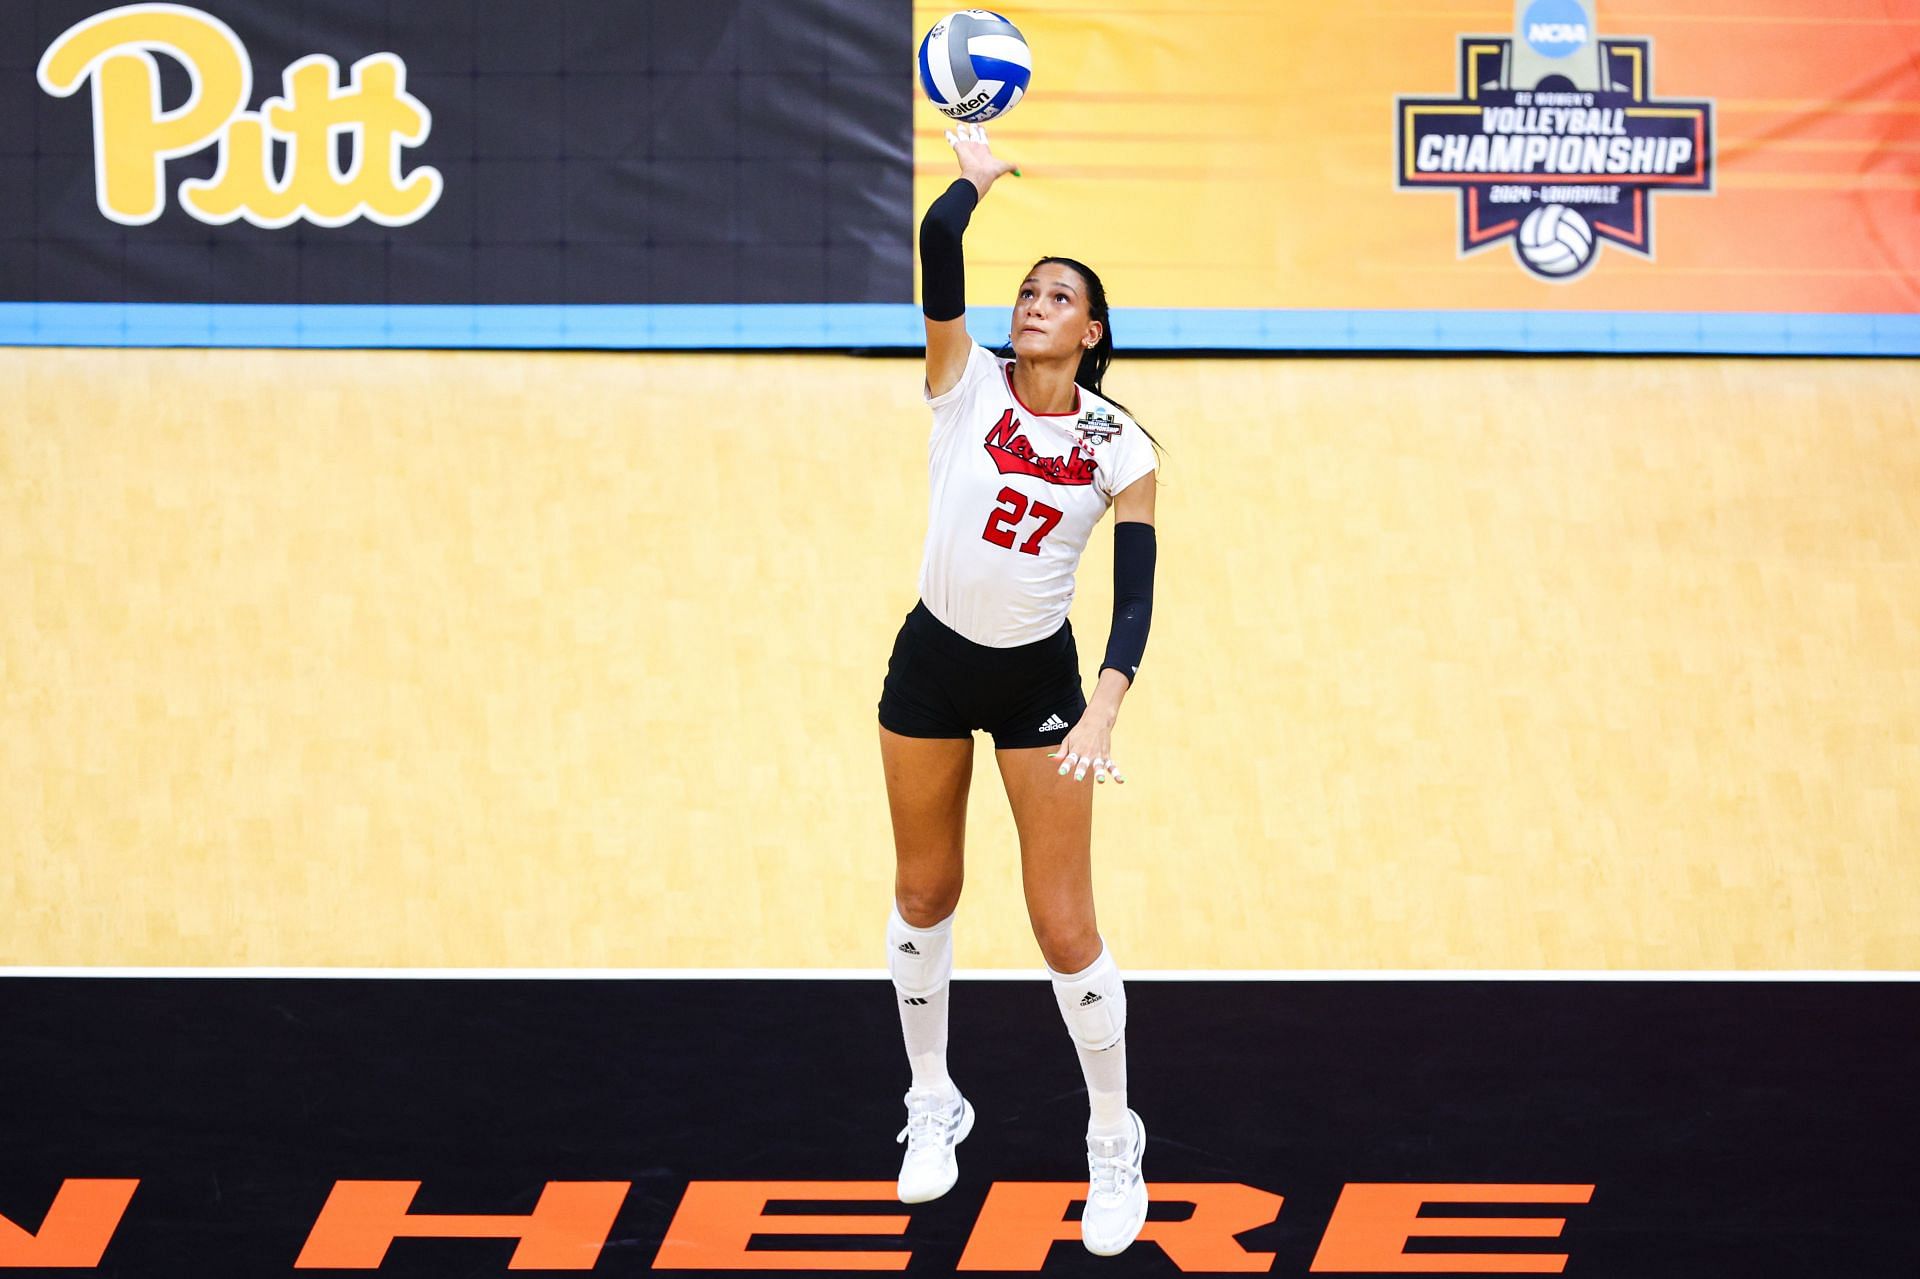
point(974, 65)
point(1556, 140)
point(1555, 240)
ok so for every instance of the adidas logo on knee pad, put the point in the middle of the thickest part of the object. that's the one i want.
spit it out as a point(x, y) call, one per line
point(907, 948)
point(1089, 998)
point(914, 1001)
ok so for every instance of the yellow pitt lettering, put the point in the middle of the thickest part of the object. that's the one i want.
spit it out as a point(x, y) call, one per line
point(375, 111)
point(132, 137)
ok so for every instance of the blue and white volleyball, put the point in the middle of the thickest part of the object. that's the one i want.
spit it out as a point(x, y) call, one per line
point(1556, 241)
point(975, 65)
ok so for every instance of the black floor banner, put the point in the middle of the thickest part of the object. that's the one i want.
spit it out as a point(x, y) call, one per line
point(197, 1127)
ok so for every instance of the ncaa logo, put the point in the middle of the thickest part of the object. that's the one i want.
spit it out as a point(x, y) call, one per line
point(1555, 28)
point(1556, 141)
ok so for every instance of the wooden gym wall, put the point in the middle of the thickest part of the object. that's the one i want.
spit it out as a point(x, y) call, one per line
point(571, 660)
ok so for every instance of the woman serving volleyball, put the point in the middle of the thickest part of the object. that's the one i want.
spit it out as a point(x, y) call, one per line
point(1025, 457)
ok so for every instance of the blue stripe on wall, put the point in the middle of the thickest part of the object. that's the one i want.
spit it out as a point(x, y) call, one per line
point(898, 325)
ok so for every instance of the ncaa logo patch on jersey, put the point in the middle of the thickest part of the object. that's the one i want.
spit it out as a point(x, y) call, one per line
point(1097, 425)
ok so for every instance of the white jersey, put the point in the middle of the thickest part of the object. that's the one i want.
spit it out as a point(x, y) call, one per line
point(1015, 495)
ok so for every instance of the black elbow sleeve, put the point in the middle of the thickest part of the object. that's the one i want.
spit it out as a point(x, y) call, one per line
point(943, 278)
point(1134, 551)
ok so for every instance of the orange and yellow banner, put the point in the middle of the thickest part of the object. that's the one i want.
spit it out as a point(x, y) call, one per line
point(1252, 155)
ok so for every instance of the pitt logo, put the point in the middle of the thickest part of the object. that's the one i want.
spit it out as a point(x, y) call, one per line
point(1014, 456)
point(133, 138)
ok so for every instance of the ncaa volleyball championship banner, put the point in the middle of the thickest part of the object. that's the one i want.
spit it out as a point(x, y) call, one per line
point(1723, 175)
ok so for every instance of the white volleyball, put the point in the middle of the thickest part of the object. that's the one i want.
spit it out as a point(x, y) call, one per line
point(1555, 240)
point(974, 65)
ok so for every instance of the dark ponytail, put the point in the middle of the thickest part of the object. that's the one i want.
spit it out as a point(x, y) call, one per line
point(1095, 359)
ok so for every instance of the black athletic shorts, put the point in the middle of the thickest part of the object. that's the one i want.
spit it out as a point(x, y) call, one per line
point(941, 684)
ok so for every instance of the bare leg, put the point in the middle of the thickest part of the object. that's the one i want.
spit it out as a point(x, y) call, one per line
point(1054, 816)
point(927, 780)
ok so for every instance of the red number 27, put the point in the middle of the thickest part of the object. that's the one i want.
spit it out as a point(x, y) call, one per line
point(1013, 508)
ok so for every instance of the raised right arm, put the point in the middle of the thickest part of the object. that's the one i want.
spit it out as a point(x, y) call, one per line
point(943, 281)
point(943, 284)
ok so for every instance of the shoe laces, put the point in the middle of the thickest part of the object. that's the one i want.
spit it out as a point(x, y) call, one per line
point(930, 1119)
point(1111, 1169)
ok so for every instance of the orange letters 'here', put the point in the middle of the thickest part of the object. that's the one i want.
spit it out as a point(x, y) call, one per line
point(716, 1219)
point(564, 1231)
point(1021, 1219)
point(82, 1218)
point(1373, 1221)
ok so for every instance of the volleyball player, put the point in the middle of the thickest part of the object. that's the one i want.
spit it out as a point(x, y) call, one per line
point(1024, 459)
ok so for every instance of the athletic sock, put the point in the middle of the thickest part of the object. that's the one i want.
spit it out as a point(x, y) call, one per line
point(920, 961)
point(1093, 1003)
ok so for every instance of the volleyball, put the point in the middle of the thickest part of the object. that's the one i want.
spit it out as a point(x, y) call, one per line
point(974, 65)
point(1555, 240)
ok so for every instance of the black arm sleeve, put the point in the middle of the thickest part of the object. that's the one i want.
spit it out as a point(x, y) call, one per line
point(1134, 549)
point(943, 279)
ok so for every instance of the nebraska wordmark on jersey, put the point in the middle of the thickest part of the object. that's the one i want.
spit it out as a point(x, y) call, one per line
point(1015, 495)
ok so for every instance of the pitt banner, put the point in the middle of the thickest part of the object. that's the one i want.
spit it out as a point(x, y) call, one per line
point(1723, 175)
point(360, 166)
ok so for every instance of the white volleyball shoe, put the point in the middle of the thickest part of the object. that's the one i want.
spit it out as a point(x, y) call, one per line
point(935, 1125)
point(1116, 1190)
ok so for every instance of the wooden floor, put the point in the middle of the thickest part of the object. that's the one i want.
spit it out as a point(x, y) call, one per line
point(544, 659)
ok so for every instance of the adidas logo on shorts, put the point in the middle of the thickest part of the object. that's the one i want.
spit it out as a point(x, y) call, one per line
point(1053, 722)
point(1090, 998)
point(907, 948)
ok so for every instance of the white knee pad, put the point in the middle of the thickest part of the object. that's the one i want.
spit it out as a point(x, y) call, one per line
point(1093, 1002)
point(920, 960)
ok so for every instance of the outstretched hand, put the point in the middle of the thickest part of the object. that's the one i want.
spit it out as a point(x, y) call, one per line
point(978, 163)
point(1089, 744)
